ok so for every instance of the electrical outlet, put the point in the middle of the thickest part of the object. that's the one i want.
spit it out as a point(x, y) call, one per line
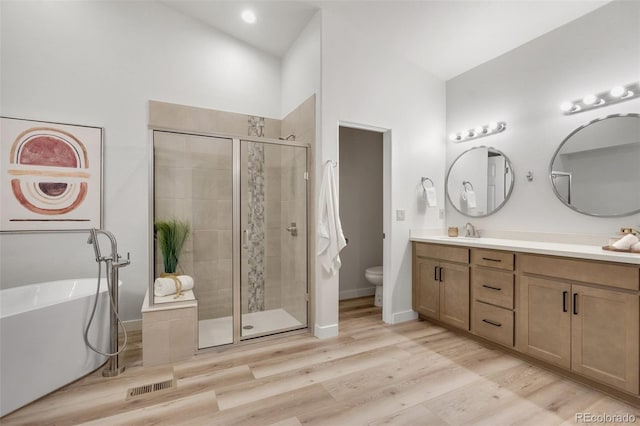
point(399, 214)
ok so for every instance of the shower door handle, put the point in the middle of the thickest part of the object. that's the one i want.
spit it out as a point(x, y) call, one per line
point(293, 229)
point(245, 238)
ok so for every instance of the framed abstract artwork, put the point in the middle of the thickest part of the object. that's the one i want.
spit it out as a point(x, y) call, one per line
point(50, 176)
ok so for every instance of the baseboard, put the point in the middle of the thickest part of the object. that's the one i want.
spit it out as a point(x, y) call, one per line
point(325, 332)
point(359, 292)
point(405, 316)
point(133, 325)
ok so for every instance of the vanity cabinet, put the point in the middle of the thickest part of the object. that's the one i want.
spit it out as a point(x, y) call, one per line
point(580, 315)
point(441, 283)
point(585, 327)
point(492, 300)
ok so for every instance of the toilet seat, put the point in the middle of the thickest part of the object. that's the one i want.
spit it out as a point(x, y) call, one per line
point(374, 270)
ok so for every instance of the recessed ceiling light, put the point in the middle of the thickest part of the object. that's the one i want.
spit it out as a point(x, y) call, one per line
point(248, 16)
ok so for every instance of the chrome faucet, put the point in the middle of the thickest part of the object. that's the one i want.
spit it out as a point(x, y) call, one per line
point(114, 263)
point(470, 231)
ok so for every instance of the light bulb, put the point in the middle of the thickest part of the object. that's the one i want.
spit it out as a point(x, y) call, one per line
point(589, 99)
point(462, 135)
point(618, 91)
point(248, 16)
point(493, 126)
point(479, 130)
point(566, 106)
point(453, 137)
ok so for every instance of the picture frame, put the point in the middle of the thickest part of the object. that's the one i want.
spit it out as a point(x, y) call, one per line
point(51, 176)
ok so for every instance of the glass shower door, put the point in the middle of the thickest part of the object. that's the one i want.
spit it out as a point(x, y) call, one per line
point(273, 219)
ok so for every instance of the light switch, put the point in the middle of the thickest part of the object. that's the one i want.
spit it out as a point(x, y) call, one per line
point(399, 214)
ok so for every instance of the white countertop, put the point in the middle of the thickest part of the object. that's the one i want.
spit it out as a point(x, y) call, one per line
point(539, 247)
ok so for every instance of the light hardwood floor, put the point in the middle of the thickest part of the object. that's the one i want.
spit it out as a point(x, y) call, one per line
point(414, 373)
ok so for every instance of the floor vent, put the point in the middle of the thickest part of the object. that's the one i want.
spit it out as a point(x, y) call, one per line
point(153, 387)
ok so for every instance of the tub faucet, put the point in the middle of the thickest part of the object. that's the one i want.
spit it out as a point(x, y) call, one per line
point(115, 257)
point(470, 231)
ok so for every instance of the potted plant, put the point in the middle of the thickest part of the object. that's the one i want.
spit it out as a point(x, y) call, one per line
point(171, 235)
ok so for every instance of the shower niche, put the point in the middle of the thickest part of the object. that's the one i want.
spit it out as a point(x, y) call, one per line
point(246, 199)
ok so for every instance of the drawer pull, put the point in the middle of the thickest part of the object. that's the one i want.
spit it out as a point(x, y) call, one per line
point(435, 273)
point(575, 303)
point(491, 288)
point(564, 301)
point(491, 260)
point(493, 323)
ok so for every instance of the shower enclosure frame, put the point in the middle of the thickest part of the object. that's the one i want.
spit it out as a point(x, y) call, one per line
point(236, 141)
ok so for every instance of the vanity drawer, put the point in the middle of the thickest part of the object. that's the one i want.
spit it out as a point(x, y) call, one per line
point(436, 251)
point(491, 286)
point(492, 259)
point(604, 273)
point(493, 323)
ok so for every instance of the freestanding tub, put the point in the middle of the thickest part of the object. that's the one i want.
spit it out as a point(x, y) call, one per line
point(42, 346)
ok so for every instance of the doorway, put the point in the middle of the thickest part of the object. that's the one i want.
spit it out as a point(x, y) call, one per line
point(361, 159)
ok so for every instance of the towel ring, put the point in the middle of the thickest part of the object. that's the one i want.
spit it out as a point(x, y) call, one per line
point(423, 180)
point(332, 163)
point(465, 183)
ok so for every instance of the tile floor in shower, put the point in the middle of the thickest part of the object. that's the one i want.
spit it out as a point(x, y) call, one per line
point(219, 331)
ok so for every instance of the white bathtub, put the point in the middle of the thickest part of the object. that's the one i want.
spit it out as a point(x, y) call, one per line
point(41, 338)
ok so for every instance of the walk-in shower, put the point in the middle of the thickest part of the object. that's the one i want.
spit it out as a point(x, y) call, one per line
point(246, 201)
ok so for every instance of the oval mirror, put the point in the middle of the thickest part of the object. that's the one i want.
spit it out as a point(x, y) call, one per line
point(596, 171)
point(479, 181)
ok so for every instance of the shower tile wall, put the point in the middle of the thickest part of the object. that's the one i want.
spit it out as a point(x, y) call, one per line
point(185, 189)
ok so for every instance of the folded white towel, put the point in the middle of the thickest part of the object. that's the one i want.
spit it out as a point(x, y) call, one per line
point(470, 197)
point(625, 242)
point(636, 247)
point(166, 286)
point(431, 196)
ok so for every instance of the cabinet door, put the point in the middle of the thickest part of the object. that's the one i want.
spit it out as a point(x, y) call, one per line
point(605, 336)
point(545, 320)
point(454, 295)
point(426, 286)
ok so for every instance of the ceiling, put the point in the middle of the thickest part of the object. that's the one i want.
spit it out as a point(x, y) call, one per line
point(445, 37)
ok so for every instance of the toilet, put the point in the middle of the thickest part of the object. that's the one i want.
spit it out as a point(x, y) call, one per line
point(374, 276)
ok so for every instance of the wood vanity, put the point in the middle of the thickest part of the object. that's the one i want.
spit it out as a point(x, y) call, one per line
point(577, 316)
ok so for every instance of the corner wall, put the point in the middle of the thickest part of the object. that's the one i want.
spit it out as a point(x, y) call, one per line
point(363, 85)
point(525, 87)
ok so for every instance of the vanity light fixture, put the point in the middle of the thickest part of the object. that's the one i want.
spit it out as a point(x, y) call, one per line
point(616, 94)
point(479, 131)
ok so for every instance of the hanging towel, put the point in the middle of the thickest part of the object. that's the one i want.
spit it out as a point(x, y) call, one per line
point(430, 193)
point(470, 197)
point(330, 239)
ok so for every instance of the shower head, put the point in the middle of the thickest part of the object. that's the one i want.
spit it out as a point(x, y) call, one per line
point(93, 239)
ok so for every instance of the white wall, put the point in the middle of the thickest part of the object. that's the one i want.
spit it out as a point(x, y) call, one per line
point(98, 63)
point(361, 84)
point(360, 208)
point(525, 88)
point(301, 67)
